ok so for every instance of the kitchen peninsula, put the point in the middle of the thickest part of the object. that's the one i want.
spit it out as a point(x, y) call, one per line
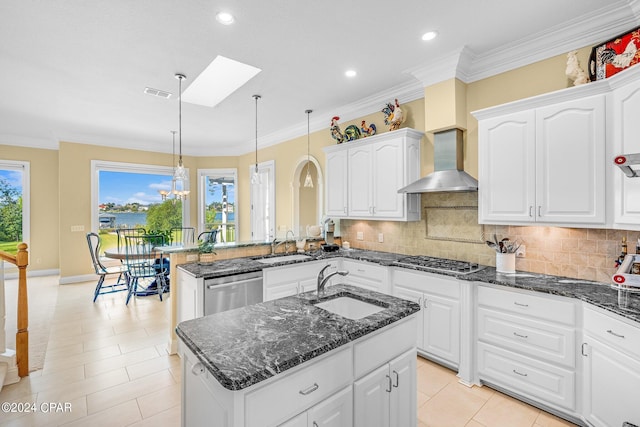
point(287, 360)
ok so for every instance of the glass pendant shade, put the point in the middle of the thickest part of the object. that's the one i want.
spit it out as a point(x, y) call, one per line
point(308, 182)
point(180, 182)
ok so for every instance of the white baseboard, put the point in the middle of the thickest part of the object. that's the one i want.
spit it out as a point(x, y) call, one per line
point(10, 367)
point(77, 279)
point(12, 273)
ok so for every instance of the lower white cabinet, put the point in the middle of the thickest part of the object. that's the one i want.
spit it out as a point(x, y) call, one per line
point(611, 356)
point(336, 411)
point(366, 275)
point(383, 398)
point(284, 281)
point(438, 333)
point(190, 303)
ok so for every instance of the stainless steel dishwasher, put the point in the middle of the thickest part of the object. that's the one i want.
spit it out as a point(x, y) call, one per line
point(229, 292)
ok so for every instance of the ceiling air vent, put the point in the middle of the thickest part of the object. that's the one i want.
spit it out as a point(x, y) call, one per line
point(157, 92)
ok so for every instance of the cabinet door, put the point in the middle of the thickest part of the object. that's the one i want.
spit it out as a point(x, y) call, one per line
point(626, 128)
point(360, 190)
point(190, 302)
point(570, 161)
point(612, 381)
point(442, 327)
point(336, 171)
point(281, 290)
point(371, 399)
point(417, 297)
point(299, 421)
point(387, 177)
point(402, 407)
point(506, 169)
point(199, 406)
point(336, 411)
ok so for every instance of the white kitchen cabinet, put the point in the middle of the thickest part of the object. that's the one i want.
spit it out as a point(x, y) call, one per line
point(438, 332)
point(336, 171)
point(611, 355)
point(544, 162)
point(336, 411)
point(366, 275)
point(191, 296)
point(282, 281)
point(383, 398)
point(376, 167)
point(625, 130)
point(526, 344)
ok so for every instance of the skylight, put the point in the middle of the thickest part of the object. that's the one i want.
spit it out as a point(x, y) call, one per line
point(219, 80)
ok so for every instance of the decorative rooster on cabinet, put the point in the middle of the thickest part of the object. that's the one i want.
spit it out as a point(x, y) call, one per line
point(393, 116)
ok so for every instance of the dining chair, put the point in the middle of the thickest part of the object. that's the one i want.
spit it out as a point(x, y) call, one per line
point(147, 267)
point(184, 235)
point(122, 232)
point(208, 236)
point(121, 283)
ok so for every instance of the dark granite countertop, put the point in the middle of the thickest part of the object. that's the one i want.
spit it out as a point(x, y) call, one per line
point(601, 295)
point(247, 345)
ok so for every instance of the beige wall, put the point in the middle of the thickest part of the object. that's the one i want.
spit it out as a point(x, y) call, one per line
point(43, 247)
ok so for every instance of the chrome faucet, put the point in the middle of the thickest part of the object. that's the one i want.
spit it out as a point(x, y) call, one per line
point(286, 241)
point(322, 279)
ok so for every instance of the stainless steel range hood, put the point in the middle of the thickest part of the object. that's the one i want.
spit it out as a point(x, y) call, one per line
point(448, 175)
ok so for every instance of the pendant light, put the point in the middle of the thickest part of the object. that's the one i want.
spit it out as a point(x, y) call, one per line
point(255, 177)
point(165, 193)
point(180, 177)
point(308, 182)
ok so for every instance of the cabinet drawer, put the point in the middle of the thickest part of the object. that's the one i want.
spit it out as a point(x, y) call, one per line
point(546, 308)
point(541, 340)
point(618, 333)
point(526, 376)
point(384, 346)
point(365, 270)
point(425, 282)
point(280, 400)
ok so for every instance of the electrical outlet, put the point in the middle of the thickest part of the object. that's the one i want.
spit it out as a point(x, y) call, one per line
point(359, 235)
point(77, 228)
point(380, 238)
point(521, 252)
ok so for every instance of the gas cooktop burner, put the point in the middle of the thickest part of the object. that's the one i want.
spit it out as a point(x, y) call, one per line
point(440, 264)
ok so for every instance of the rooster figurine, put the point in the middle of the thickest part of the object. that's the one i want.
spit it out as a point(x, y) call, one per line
point(393, 116)
point(336, 133)
point(367, 130)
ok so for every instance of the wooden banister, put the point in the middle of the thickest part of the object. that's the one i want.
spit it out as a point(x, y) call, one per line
point(21, 260)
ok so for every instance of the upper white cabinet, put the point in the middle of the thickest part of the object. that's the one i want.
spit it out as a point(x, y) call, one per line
point(363, 177)
point(626, 140)
point(543, 161)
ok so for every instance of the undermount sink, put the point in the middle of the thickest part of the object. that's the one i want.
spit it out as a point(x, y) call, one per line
point(284, 258)
point(350, 308)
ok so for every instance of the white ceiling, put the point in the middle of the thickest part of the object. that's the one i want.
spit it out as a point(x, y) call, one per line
point(75, 70)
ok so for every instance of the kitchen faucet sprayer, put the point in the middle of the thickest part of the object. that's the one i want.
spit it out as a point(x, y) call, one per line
point(322, 279)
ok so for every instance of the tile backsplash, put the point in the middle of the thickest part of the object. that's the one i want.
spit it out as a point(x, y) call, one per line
point(581, 253)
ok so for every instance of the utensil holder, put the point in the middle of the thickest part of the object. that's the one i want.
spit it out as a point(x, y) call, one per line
point(506, 263)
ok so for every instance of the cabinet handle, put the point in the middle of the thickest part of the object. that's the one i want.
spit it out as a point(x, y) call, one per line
point(520, 336)
point(424, 303)
point(520, 305)
point(197, 369)
point(539, 210)
point(315, 424)
point(582, 349)
point(397, 378)
point(309, 390)
point(531, 211)
point(519, 373)
point(389, 381)
point(614, 334)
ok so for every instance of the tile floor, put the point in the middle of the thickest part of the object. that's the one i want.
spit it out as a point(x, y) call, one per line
point(109, 363)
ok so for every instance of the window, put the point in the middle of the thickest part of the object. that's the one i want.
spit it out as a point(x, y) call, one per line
point(217, 208)
point(14, 204)
point(126, 195)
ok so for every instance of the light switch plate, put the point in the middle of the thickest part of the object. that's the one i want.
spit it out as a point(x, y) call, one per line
point(359, 235)
point(77, 228)
point(521, 252)
point(380, 238)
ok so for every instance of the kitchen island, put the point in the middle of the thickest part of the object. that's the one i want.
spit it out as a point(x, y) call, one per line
point(289, 361)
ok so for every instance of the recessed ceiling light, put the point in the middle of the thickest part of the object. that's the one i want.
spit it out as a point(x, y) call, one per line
point(430, 35)
point(225, 18)
point(350, 73)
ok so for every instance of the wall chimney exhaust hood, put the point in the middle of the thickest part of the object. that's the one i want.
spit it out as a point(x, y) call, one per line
point(448, 164)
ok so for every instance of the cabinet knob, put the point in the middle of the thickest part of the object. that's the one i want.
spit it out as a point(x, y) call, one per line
point(197, 369)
